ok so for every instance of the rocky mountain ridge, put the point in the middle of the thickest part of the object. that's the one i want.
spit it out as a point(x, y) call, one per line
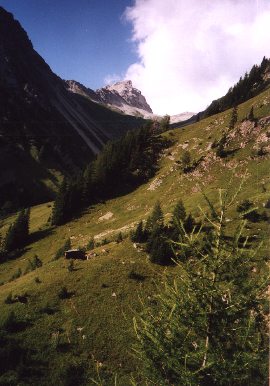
point(120, 96)
point(123, 97)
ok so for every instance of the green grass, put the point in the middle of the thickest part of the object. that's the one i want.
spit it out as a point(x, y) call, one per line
point(107, 320)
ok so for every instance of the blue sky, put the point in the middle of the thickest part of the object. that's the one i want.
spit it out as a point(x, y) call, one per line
point(85, 40)
point(181, 54)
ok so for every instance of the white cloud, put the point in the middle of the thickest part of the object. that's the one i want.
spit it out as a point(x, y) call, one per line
point(111, 79)
point(191, 51)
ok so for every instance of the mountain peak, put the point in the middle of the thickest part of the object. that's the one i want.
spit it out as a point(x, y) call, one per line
point(123, 95)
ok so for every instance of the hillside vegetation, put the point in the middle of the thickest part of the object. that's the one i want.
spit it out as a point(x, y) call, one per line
point(83, 333)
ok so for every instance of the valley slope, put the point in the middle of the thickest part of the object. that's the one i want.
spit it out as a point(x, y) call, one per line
point(45, 130)
point(95, 324)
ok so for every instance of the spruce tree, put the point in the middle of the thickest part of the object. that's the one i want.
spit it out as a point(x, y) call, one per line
point(251, 114)
point(156, 218)
point(138, 236)
point(88, 186)
point(17, 235)
point(186, 162)
point(189, 223)
point(179, 213)
point(60, 205)
point(177, 221)
point(209, 325)
point(234, 118)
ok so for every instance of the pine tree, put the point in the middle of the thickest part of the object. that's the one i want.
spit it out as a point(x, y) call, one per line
point(189, 223)
point(234, 118)
point(177, 221)
point(186, 161)
point(18, 233)
point(60, 205)
point(119, 238)
point(156, 217)
point(221, 152)
point(179, 213)
point(209, 324)
point(138, 236)
point(164, 123)
point(88, 185)
point(158, 246)
point(251, 114)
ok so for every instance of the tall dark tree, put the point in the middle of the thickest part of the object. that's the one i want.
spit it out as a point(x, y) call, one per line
point(186, 161)
point(179, 213)
point(164, 123)
point(18, 233)
point(234, 118)
point(251, 114)
point(88, 185)
point(177, 221)
point(156, 218)
point(139, 235)
point(60, 204)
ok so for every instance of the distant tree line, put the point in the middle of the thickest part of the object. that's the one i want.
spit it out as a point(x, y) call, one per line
point(121, 165)
point(247, 87)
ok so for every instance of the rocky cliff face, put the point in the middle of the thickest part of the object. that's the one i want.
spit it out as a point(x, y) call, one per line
point(121, 96)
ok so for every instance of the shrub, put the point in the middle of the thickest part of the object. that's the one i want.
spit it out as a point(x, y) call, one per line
point(63, 293)
point(11, 322)
point(136, 276)
point(61, 251)
point(244, 206)
point(267, 204)
point(9, 299)
point(119, 238)
point(71, 266)
point(90, 244)
point(104, 241)
point(33, 264)
point(16, 275)
point(186, 162)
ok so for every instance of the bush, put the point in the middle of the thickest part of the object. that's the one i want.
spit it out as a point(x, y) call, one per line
point(63, 293)
point(71, 266)
point(90, 245)
point(33, 264)
point(267, 204)
point(119, 238)
point(61, 251)
point(244, 206)
point(186, 162)
point(9, 299)
point(16, 275)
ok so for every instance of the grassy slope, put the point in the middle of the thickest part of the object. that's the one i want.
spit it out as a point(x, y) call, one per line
point(107, 319)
